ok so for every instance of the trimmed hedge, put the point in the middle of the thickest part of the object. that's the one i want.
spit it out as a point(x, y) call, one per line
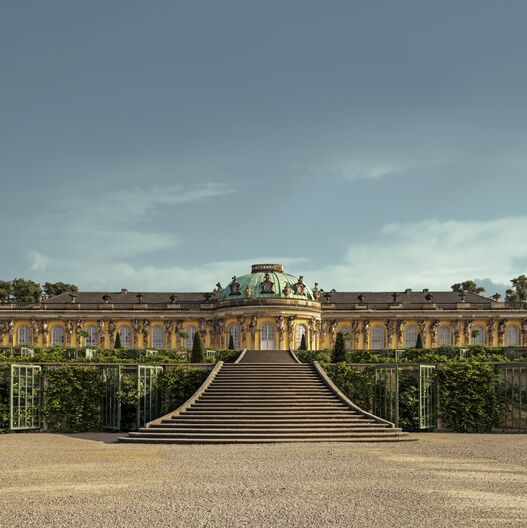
point(468, 396)
point(73, 399)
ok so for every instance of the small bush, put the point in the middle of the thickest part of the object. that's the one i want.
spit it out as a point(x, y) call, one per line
point(338, 353)
point(197, 349)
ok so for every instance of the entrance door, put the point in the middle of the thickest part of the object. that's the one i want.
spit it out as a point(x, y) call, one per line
point(267, 337)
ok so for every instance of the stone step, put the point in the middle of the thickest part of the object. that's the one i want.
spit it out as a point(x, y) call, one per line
point(254, 435)
point(266, 398)
point(402, 437)
point(268, 420)
point(249, 424)
point(267, 431)
point(311, 406)
point(264, 412)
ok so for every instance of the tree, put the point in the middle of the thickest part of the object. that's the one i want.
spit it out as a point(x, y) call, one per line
point(419, 342)
point(468, 286)
point(518, 292)
point(56, 288)
point(303, 345)
point(6, 290)
point(117, 341)
point(231, 342)
point(338, 354)
point(197, 349)
point(25, 291)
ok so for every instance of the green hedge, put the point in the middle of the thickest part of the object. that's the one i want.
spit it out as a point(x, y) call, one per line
point(178, 385)
point(73, 399)
point(57, 354)
point(4, 400)
point(468, 396)
point(413, 355)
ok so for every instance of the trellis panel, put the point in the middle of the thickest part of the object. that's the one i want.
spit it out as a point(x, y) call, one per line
point(25, 397)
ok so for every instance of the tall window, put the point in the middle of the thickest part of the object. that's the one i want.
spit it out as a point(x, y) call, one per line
point(234, 331)
point(158, 337)
point(445, 336)
point(301, 330)
point(346, 331)
point(377, 338)
point(512, 336)
point(57, 336)
point(126, 336)
point(410, 336)
point(478, 336)
point(92, 339)
point(191, 332)
point(25, 335)
point(267, 341)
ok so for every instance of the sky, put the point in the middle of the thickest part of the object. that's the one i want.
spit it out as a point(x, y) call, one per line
point(168, 145)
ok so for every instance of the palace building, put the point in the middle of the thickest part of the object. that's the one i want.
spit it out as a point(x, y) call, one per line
point(266, 309)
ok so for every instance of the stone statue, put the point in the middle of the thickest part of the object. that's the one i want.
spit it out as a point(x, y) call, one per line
point(316, 292)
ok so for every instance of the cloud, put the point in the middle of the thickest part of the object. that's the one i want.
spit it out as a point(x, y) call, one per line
point(431, 254)
point(37, 261)
point(373, 171)
point(112, 276)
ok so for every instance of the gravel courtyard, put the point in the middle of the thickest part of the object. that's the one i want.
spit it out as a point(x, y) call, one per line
point(88, 480)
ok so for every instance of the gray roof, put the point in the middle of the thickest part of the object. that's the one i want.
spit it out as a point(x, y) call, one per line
point(408, 297)
point(127, 297)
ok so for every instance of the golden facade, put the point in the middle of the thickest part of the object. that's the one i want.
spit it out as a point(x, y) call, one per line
point(266, 309)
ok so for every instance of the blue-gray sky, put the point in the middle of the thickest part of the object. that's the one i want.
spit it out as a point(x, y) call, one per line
point(167, 145)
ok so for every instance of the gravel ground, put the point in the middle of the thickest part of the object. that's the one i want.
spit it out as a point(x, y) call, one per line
point(87, 480)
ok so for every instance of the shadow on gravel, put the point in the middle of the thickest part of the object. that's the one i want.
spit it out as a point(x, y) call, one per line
point(105, 438)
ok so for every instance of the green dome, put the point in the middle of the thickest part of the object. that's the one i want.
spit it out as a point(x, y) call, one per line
point(267, 281)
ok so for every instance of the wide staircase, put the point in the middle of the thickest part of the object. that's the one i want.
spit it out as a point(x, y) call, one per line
point(268, 397)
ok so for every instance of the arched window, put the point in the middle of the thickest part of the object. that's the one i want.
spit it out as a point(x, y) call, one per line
point(267, 341)
point(92, 339)
point(377, 338)
point(512, 336)
point(25, 335)
point(346, 331)
point(445, 336)
point(410, 336)
point(57, 336)
point(158, 337)
point(234, 331)
point(189, 341)
point(301, 330)
point(125, 335)
point(478, 335)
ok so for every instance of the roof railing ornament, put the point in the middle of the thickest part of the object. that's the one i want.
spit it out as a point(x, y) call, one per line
point(106, 298)
point(361, 298)
point(267, 284)
point(316, 292)
point(394, 297)
point(429, 297)
point(327, 296)
point(139, 298)
point(73, 297)
point(496, 297)
point(300, 287)
point(463, 296)
point(173, 298)
point(234, 287)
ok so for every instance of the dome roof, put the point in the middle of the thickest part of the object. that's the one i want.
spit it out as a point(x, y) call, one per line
point(267, 281)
